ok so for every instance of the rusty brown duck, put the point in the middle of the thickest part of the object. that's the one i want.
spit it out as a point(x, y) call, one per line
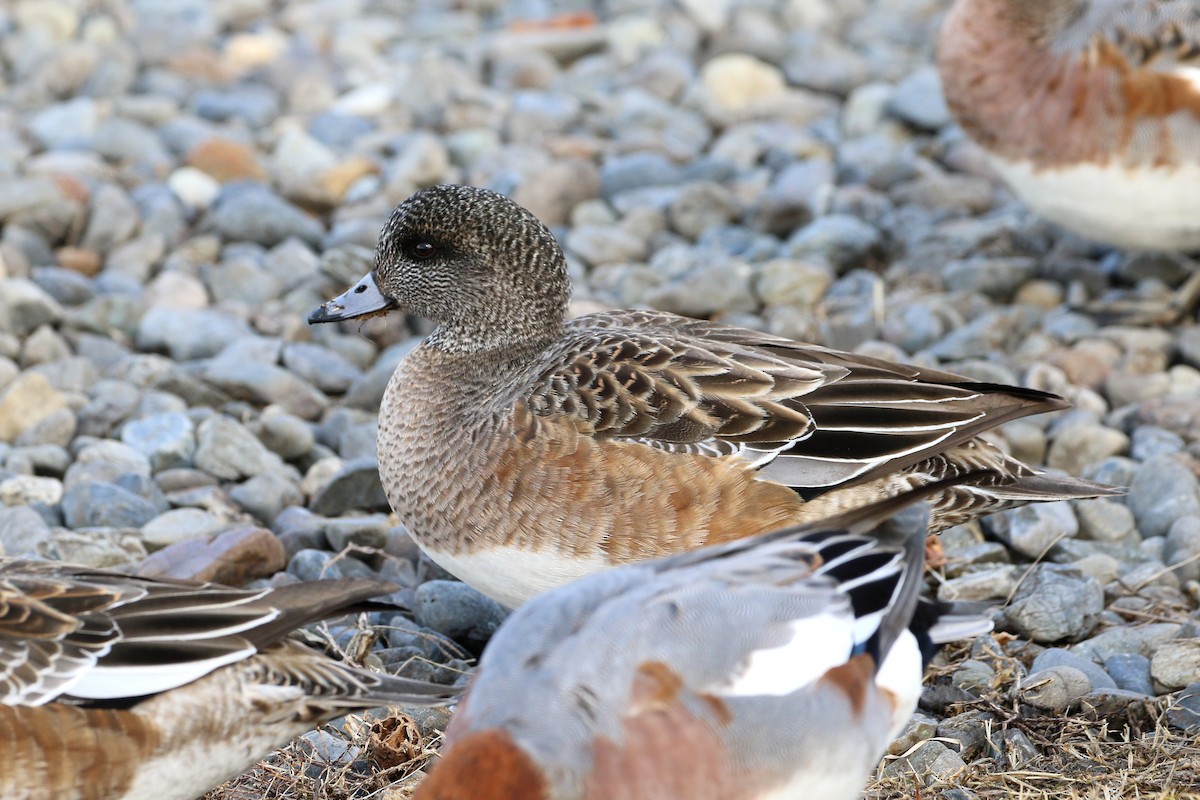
point(1089, 110)
point(523, 450)
point(123, 688)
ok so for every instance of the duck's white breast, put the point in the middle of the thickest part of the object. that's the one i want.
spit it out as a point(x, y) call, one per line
point(1155, 208)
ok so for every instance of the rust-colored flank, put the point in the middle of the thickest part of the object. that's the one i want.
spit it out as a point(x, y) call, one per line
point(487, 765)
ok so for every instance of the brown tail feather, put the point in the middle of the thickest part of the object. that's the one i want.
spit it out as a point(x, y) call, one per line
point(1045, 486)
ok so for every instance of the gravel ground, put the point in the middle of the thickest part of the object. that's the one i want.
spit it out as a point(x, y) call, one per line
point(181, 183)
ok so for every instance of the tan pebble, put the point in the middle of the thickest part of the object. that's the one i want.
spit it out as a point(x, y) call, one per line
point(79, 259)
point(226, 160)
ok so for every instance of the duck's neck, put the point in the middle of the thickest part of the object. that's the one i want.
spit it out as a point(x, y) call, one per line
point(480, 342)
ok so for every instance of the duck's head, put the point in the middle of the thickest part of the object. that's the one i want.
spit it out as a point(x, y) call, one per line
point(484, 268)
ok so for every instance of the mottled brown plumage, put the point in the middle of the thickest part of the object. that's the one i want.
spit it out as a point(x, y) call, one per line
point(522, 450)
point(123, 688)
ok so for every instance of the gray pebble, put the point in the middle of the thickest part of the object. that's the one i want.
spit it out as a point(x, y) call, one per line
point(969, 729)
point(241, 280)
point(635, 171)
point(1182, 548)
point(1130, 671)
point(370, 531)
point(1018, 749)
point(1149, 441)
point(187, 333)
point(162, 31)
point(66, 287)
point(988, 583)
point(178, 525)
point(57, 428)
point(797, 194)
point(973, 676)
point(266, 495)
point(919, 728)
point(264, 383)
point(87, 505)
point(285, 434)
point(226, 450)
point(702, 283)
point(605, 244)
point(998, 278)
point(330, 749)
point(98, 547)
point(931, 760)
point(1142, 639)
point(25, 306)
point(23, 532)
point(313, 565)
point(459, 611)
point(699, 206)
point(1058, 657)
point(1115, 471)
point(430, 644)
point(167, 440)
point(842, 241)
point(325, 369)
point(1033, 529)
point(256, 106)
point(1054, 604)
point(251, 212)
point(1104, 519)
point(359, 441)
point(70, 124)
point(355, 486)
point(918, 100)
point(1184, 713)
point(1055, 688)
point(1077, 446)
point(1163, 490)
point(113, 219)
point(1176, 664)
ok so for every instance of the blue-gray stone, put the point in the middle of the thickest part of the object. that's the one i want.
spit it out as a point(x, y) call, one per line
point(1149, 441)
point(23, 531)
point(1056, 603)
point(459, 611)
point(636, 171)
point(403, 632)
point(92, 505)
point(1130, 671)
point(355, 487)
point(254, 105)
point(369, 531)
point(842, 241)
point(339, 131)
point(1184, 713)
point(188, 333)
point(1162, 491)
point(314, 565)
point(251, 212)
point(168, 440)
point(1057, 657)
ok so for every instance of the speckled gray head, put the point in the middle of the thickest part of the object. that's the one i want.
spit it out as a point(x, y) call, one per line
point(484, 268)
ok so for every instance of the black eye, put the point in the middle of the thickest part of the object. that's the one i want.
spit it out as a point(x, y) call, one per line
point(423, 250)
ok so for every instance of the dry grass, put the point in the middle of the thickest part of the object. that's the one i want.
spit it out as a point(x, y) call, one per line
point(393, 755)
point(1083, 755)
point(1080, 759)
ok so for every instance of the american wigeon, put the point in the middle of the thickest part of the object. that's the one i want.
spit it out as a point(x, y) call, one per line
point(1089, 109)
point(123, 688)
point(523, 450)
point(776, 667)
